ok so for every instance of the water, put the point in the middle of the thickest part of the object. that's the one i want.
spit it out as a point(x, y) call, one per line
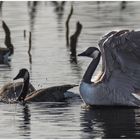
point(51, 66)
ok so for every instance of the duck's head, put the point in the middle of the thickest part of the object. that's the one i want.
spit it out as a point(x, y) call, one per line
point(23, 73)
point(92, 52)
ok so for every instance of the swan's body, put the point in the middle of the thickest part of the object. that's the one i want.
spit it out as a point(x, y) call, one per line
point(120, 81)
point(107, 94)
point(51, 94)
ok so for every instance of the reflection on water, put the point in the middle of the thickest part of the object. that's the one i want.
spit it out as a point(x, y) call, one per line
point(51, 60)
point(123, 5)
point(109, 123)
point(24, 123)
point(1, 3)
point(32, 9)
point(59, 8)
point(76, 69)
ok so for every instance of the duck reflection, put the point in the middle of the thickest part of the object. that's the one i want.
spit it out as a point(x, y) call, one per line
point(109, 123)
point(24, 125)
point(32, 8)
point(49, 108)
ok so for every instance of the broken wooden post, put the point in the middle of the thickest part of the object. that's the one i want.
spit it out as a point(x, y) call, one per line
point(24, 32)
point(30, 42)
point(8, 41)
point(74, 38)
point(67, 25)
point(30, 45)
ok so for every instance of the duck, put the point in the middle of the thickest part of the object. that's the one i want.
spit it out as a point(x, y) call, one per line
point(50, 94)
point(5, 53)
point(119, 83)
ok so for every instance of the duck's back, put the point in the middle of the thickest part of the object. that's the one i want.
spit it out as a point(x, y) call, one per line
point(51, 94)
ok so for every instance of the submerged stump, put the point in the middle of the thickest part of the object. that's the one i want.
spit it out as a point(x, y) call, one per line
point(74, 39)
point(67, 25)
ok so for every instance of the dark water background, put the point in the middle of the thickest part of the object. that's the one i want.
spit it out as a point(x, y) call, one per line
point(51, 66)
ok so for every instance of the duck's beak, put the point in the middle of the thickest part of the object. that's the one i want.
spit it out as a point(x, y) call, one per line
point(17, 77)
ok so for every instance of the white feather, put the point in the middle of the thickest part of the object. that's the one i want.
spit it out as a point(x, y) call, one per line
point(95, 54)
point(136, 95)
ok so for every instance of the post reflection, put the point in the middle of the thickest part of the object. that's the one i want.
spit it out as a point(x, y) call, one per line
point(1, 4)
point(59, 9)
point(32, 11)
point(109, 123)
point(32, 8)
point(76, 69)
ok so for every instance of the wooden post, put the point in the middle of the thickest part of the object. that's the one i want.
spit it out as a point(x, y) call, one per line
point(8, 41)
point(30, 42)
point(74, 38)
point(24, 32)
point(30, 45)
point(67, 25)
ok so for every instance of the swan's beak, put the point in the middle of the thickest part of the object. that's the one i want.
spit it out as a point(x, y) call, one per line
point(82, 54)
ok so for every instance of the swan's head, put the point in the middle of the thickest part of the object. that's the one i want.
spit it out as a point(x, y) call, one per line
point(23, 73)
point(92, 52)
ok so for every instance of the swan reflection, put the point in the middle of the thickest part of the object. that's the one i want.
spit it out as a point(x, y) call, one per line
point(110, 123)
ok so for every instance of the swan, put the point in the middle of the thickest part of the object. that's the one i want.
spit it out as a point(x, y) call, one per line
point(50, 94)
point(119, 84)
point(6, 52)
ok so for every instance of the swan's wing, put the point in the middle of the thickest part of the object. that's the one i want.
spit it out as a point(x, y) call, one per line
point(121, 50)
point(125, 50)
point(107, 59)
point(124, 89)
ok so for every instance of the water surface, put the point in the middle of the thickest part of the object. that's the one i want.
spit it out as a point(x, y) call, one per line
point(50, 65)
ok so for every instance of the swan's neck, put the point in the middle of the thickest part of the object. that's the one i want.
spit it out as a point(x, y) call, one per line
point(91, 69)
point(24, 89)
